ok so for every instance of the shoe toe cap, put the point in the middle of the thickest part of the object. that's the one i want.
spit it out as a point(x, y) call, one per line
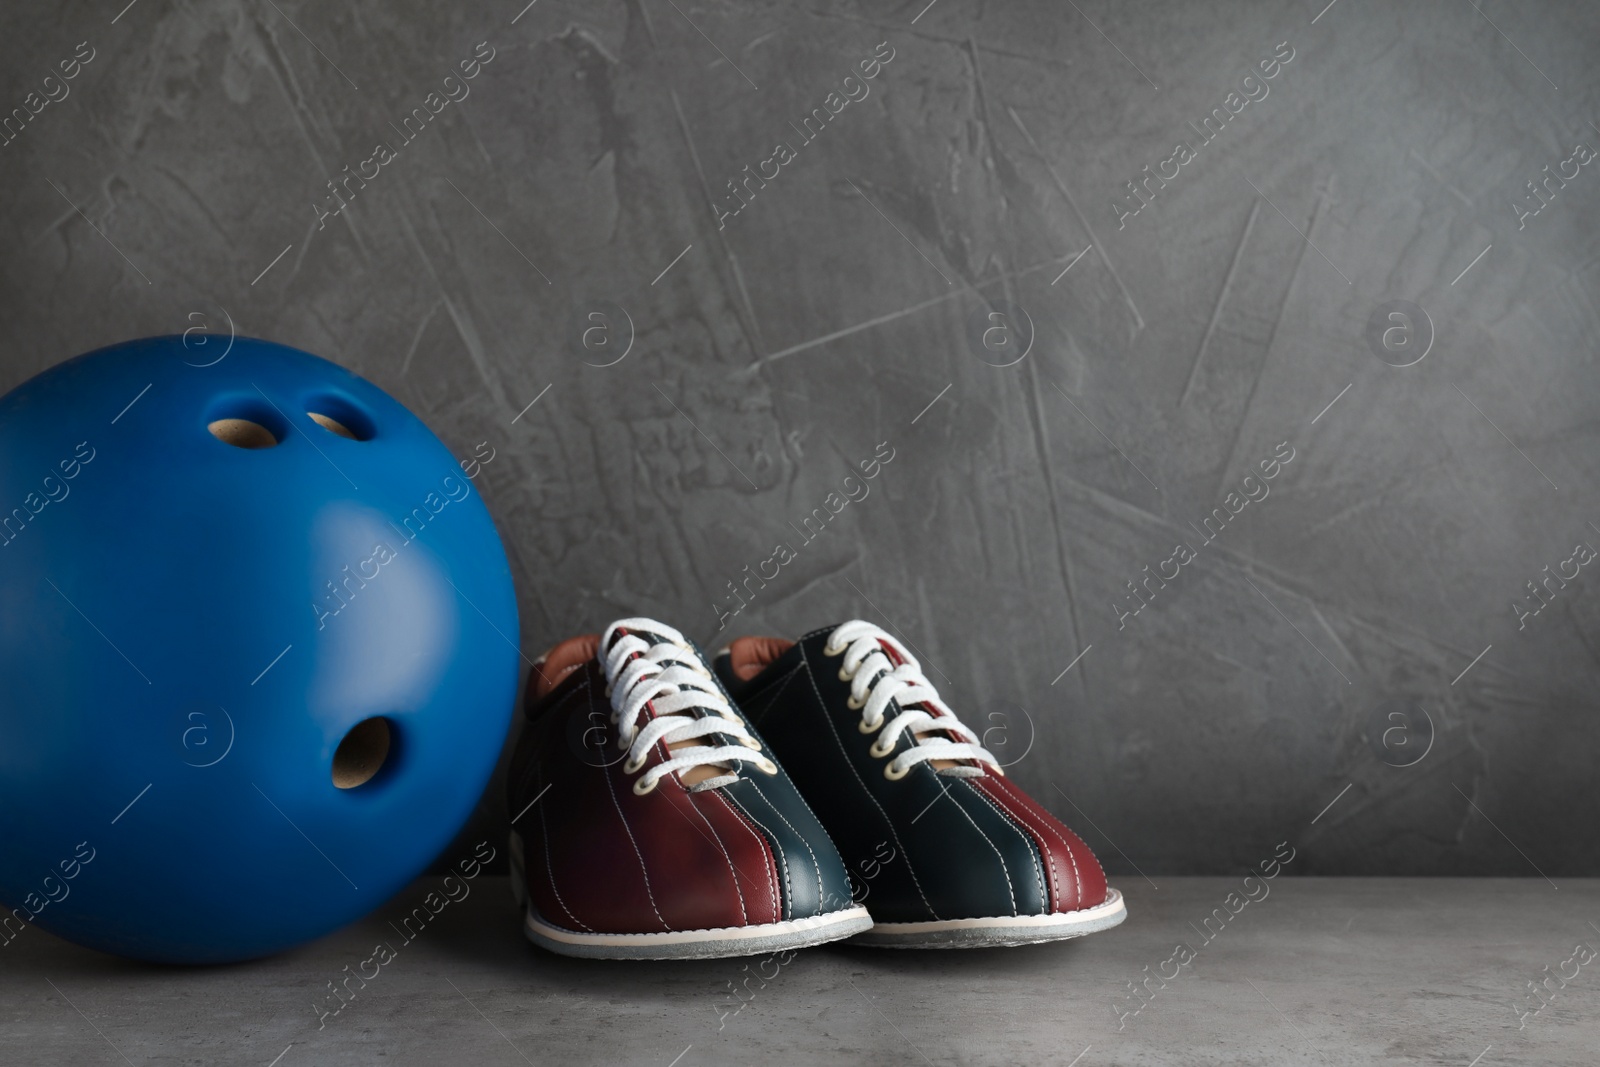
point(1074, 874)
point(806, 864)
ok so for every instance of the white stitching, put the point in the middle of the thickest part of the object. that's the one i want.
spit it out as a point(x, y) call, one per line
point(1077, 879)
point(544, 837)
point(822, 706)
point(815, 863)
point(806, 804)
point(544, 827)
point(741, 870)
point(821, 894)
point(1010, 889)
point(605, 772)
point(743, 911)
point(783, 861)
point(1011, 820)
point(772, 888)
point(766, 849)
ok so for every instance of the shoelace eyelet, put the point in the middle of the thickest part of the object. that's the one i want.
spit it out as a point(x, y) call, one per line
point(645, 785)
point(892, 671)
point(749, 742)
point(631, 766)
point(767, 765)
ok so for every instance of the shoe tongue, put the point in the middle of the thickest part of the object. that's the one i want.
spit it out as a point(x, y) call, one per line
point(648, 635)
point(749, 656)
point(564, 658)
point(643, 633)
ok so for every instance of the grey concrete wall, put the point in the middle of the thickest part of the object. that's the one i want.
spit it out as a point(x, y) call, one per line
point(1347, 639)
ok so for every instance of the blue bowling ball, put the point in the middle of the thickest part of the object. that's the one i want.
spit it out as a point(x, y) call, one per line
point(258, 648)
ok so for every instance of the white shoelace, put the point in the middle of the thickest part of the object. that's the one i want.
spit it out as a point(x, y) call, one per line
point(875, 680)
point(687, 704)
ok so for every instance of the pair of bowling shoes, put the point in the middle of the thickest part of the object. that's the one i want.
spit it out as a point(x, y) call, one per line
point(789, 793)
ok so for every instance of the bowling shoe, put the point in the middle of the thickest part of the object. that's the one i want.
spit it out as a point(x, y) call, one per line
point(650, 822)
point(949, 852)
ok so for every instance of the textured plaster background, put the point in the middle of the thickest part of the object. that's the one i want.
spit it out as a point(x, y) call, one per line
point(1363, 606)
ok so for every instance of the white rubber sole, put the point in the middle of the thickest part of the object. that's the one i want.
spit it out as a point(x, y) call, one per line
point(698, 944)
point(1002, 931)
point(682, 944)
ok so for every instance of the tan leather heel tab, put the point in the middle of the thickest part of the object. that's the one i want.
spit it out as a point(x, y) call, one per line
point(749, 656)
point(561, 661)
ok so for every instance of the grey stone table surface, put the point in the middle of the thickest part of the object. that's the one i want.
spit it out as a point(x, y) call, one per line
point(1316, 970)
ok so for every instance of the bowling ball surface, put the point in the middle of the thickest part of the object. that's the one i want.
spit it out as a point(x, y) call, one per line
point(258, 648)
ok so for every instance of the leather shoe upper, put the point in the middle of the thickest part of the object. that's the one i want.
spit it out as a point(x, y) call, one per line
point(725, 844)
point(929, 838)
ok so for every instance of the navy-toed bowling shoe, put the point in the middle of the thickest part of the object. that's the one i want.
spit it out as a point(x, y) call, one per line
point(960, 856)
